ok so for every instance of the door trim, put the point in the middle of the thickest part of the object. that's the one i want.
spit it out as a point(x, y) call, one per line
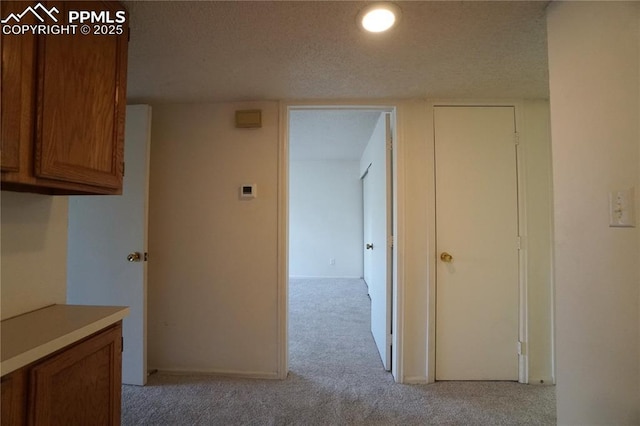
point(283, 225)
point(523, 362)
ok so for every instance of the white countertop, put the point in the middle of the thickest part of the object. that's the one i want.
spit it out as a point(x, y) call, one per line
point(31, 336)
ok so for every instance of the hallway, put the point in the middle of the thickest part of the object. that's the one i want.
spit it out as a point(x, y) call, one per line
point(336, 378)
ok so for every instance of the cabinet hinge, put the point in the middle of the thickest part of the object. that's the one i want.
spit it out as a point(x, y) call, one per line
point(521, 347)
point(146, 256)
point(389, 339)
point(516, 138)
point(122, 344)
point(123, 169)
point(391, 241)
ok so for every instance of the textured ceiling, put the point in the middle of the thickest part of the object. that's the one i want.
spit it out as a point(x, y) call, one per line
point(240, 50)
point(330, 134)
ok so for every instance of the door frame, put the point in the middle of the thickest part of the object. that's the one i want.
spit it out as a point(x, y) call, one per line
point(523, 362)
point(283, 225)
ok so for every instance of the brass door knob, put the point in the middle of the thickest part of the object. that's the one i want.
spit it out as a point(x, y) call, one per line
point(446, 257)
point(369, 246)
point(134, 257)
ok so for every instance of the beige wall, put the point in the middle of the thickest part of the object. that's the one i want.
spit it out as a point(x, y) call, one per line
point(213, 258)
point(213, 266)
point(34, 252)
point(594, 78)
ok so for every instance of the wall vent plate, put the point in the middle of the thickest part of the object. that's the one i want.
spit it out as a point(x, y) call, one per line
point(248, 191)
point(249, 119)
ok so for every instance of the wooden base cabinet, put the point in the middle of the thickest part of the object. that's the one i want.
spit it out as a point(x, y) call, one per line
point(78, 385)
point(14, 398)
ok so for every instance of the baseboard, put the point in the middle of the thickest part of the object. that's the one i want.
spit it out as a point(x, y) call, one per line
point(223, 373)
point(415, 380)
point(305, 277)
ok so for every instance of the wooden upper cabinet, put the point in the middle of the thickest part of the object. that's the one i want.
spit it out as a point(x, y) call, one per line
point(16, 89)
point(81, 104)
point(75, 122)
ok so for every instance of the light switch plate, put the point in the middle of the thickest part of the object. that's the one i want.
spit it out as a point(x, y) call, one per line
point(622, 206)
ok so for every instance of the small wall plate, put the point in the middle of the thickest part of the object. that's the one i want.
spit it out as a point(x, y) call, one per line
point(249, 119)
point(248, 191)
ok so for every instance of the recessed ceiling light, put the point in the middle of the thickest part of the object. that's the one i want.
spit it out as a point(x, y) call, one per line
point(379, 17)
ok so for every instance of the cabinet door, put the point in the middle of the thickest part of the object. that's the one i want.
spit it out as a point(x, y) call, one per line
point(14, 398)
point(81, 385)
point(81, 103)
point(16, 89)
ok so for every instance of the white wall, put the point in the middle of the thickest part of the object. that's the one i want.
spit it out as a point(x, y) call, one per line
point(34, 252)
point(212, 279)
point(594, 79)
point(374, 152)
point(325, 219)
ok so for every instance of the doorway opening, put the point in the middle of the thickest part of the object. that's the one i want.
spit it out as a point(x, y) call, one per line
point(339, 203)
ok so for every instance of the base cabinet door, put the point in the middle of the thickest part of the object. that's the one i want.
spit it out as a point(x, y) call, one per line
point(14, 398)
point(78, 385)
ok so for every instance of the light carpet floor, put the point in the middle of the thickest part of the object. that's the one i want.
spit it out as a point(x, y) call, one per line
point(336, 378)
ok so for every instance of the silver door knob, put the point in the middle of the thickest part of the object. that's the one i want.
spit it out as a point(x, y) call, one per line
point(134, 257)
point(369, 246)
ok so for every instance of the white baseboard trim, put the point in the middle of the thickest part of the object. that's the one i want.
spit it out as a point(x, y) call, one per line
point(222, 373)
point(305, 277)
point(415, 380)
